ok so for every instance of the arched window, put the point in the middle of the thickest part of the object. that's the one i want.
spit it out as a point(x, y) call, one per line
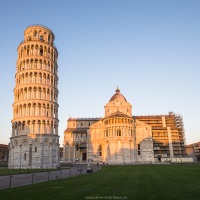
point(35, 149)
point(48, 38)
point(48, 53)
point(138, 149)
point(41, 38)
point(40, 64)
point(25, 156)
point(39, 123)
point(35, 33)
point(118, 132)
point(23, 124)
point(41, 51)
point(40, 78)
point(106, 133)
point(34, 92)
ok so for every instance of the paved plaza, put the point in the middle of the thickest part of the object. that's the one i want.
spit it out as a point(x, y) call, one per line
point(9, 181)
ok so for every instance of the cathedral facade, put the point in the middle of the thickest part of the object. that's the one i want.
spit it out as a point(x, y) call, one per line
point(115, 138)
point(120, 138)
point(34, 142)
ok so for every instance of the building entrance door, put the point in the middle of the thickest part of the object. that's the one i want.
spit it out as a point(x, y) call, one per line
point(159, 158)
point(84, 156)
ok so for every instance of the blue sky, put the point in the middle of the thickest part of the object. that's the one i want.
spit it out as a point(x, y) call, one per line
point(149, 48)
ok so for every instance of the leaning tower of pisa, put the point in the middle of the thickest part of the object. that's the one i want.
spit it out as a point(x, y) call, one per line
point(35, 142)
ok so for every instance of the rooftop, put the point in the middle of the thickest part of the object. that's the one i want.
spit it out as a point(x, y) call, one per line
point(118, 95)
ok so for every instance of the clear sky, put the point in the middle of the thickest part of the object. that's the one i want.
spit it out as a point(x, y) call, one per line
point(149, 48)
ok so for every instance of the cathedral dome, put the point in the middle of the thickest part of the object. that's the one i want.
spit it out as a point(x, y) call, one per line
point(118, 95)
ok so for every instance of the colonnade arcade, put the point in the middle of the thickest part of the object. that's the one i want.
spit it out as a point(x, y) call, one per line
point(36, 77)
point(41, 93)
point(41, 64)
point(35, 109)
point(116, 120)
point(38, 50)
point(34, 127)
point(118, 126)
point(114, 131)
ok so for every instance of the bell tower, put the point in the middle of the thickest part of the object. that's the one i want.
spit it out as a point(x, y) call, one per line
point(35, 142)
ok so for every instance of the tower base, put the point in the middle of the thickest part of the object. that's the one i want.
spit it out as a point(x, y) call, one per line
point(34, 151)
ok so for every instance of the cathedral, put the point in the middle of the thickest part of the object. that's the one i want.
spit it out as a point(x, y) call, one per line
point(121, 138)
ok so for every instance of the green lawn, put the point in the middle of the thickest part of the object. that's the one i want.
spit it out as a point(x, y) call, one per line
point(172, 182)
point(3, 164)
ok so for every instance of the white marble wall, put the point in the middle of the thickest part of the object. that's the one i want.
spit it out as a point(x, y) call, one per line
point(42, 151)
